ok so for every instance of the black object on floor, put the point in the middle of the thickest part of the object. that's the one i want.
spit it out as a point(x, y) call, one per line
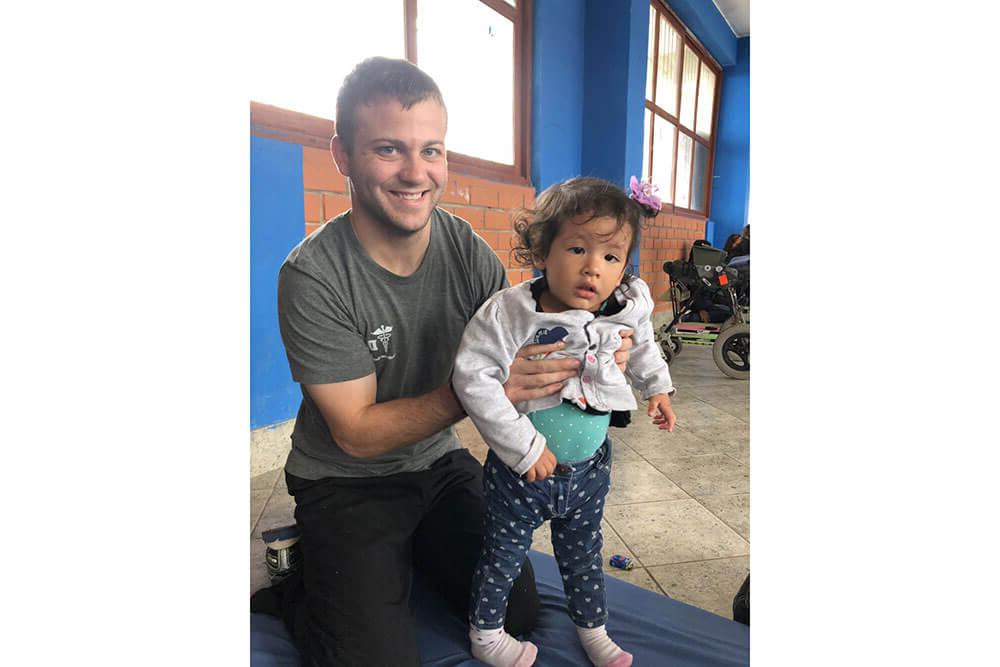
point(741, 603)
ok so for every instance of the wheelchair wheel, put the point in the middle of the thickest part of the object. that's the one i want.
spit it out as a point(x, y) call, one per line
point(670, 347)
point(677, 345)
point(731, 351)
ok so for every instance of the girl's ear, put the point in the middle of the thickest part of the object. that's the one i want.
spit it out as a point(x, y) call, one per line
point(538, 261)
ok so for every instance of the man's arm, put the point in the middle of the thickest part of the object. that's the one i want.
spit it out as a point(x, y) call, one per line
point(364, 428)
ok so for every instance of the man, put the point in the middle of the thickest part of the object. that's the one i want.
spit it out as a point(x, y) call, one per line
point(372, 307)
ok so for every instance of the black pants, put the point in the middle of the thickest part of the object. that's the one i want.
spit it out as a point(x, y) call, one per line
point(361, 538)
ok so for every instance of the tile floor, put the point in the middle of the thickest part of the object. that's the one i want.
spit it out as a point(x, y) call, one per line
point(679, 503)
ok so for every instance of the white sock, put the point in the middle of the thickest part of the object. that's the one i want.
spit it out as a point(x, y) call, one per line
point(498, 649)
point(601, 650)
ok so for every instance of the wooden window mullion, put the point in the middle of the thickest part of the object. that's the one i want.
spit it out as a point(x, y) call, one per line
point(410, 32)
point(656, 59)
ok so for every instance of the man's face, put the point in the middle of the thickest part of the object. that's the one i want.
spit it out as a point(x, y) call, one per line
point(397, 166)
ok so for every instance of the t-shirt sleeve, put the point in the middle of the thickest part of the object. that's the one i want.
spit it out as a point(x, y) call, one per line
point(322, 342)
point(489, 275)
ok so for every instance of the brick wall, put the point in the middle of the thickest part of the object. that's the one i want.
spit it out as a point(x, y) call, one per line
point(666, 237)
point(488, 206)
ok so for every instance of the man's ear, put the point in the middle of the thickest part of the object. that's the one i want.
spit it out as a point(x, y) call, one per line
point(340, 155)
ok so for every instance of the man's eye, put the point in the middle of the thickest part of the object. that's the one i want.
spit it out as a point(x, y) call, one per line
point(432, 152)
point(385, 150)
point(576, 250)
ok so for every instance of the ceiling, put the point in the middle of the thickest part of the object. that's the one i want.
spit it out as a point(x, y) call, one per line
point(737, 15)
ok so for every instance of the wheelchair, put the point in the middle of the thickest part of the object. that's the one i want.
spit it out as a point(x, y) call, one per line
point(706, 278)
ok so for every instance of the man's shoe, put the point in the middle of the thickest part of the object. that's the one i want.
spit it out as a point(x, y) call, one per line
point(283, 555)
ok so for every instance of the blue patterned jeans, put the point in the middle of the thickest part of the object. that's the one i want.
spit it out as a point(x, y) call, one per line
point(573, 498)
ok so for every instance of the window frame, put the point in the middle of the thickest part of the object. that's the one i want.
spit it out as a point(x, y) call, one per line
point(689, 40)
point(286, 125)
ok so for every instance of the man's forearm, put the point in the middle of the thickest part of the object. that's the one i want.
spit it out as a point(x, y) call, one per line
point(384, 427)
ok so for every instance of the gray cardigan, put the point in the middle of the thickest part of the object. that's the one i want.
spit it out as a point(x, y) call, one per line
point(508, 321)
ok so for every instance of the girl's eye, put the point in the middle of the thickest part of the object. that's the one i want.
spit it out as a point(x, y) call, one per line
point(610, 258)
point(576, 250)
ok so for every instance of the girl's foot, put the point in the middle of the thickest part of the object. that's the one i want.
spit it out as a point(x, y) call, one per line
point(498, 649)
point(601, 650)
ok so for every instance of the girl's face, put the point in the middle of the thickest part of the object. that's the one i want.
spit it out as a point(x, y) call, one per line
point(585, 263)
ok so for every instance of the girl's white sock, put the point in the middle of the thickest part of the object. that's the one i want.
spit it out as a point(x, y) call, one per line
point(498, 649)
point(601, 650)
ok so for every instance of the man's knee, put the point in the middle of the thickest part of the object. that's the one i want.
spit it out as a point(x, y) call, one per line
point(522, 609)
point(384, 636)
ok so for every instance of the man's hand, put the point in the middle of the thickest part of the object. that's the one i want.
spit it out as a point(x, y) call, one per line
point(529, 378)
point(543, 467)
point(661, 412)
point(621, 356)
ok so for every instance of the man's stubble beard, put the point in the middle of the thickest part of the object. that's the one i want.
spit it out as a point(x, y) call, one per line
point(381, 216)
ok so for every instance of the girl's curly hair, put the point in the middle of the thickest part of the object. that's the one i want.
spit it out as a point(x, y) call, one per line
point(584, 195)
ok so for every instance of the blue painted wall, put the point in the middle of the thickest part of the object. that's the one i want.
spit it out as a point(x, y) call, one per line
point(615, 74)
point(731, 172)
point(276, 224)
point(556, 91)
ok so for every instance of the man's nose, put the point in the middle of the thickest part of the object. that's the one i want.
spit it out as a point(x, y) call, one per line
point(412, 170)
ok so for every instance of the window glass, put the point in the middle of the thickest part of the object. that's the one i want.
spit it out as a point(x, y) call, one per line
point(468, 49)
point(706, 101)
point(699, 177)
point(668, 62)
point(689, 87)
point(663, 156)
point(647, 119)
point(304, 75)
point(682, 188)
point(650, 56)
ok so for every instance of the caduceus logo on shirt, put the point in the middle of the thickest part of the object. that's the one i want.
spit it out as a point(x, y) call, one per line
point(380, 343)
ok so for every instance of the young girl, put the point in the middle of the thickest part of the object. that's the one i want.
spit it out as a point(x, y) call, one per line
point(550, 458)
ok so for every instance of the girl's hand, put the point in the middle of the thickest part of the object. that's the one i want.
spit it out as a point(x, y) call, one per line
point(623, 352)
point(662, 412)
point(543, 467)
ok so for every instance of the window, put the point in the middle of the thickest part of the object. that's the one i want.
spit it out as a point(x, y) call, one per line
point(478, 52)
point(682, 81)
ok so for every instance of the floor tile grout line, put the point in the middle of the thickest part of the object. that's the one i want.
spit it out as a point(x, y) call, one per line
point(700, 560)
point(655, 582)
point(728, 525)
point(632, 551)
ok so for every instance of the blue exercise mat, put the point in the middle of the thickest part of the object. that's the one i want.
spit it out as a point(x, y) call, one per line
point(655, 629)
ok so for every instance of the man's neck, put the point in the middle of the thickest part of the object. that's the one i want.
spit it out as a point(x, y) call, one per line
point(400, 254)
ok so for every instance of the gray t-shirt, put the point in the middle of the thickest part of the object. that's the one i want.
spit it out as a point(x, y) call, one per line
point(343, 317)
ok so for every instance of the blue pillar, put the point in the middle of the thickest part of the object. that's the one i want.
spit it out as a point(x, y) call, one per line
point(614, 95)
point(731, 172)
point(556, 91)
point(277, 223)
